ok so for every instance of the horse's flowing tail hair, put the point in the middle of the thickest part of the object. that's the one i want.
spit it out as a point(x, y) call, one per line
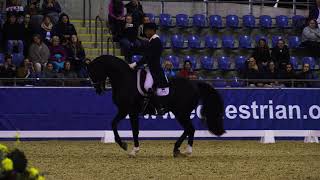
point(213, 108)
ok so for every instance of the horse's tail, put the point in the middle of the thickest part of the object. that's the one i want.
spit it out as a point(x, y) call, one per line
point(213, 108)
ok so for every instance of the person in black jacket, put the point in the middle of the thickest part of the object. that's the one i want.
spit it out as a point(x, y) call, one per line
point(64, 29)
point(51, 8)
point(13, 34)
point(280, 55)
point(314, 12)
point(135, 9)
point(262, 53)
point(152, 59)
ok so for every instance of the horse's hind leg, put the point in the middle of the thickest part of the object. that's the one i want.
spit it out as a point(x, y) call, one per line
point(188, 131)
point(115, 122)
point(135, 133)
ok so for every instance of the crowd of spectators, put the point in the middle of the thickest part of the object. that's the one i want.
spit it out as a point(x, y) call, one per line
point(39, 41)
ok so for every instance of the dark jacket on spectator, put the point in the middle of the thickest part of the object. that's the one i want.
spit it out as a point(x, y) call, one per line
point(7, 71)
point(261, 55)
point(62, 29)
point(130, 33)
point(46, 10)
point(288, 75)
point(136, 12)
point(75, 52)
point(313, 12)
point(13, 31)
point(309, 75)
point(280, 56)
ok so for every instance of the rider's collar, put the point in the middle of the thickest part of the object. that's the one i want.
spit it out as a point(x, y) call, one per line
point(153, 37)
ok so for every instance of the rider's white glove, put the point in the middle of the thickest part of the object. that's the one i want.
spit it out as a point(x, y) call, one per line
point(133, 65)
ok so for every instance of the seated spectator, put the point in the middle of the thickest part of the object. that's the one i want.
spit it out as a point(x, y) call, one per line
point(116, 18)
point(68, 73)
point(262, 53)
point(49, 73)
point(26, 70)
point(83, 73)
point(64, 29)
point(76, 53)
point(280, 55)
point(13, 35)
point(134, 8)
point(168, 69)
point(289, 74)
point(307, 74)
point(272, 75)
point(46, 31)
point(129, 42)
point(141, 36)
point(51, 8)
point(253, 72)
point(33, 9)
point(311, 38)
point(7, 70)
point(187, 71)
point(57, 54)
point(39, 52)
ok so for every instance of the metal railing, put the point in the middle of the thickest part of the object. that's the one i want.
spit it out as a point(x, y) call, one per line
point(84, 18)
point(239, 83)
point(100, 20)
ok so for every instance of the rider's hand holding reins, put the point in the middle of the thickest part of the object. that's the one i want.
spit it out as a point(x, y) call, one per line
point(133, 65)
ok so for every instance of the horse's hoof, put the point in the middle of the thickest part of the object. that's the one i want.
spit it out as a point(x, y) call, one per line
point(124, 146)
point(178, 154)
point(134, 152)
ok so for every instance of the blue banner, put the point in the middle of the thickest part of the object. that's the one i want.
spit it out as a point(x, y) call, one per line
point(81, 109)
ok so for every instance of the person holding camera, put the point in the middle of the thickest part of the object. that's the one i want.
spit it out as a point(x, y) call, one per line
point(129, 41)
point(26, 69)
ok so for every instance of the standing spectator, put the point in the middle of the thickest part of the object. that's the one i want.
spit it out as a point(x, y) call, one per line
point(168, 69)
point(7, 70)
point(311, 38)
point(57, 54)
point(116, 18)
point(289, 73)
point(308, 75)
point(39, 52)
point(64, 29)
point(187, 71)
point(262, 53)
point(51, 8)
point(314, 12)
point(46, 31)
point(280, 55)
point(129, 42)
point(33, 9)
point(76, 53)
point(13, 34)
point(135, 9)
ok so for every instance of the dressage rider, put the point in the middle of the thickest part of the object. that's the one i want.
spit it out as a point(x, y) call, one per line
point(152, 59)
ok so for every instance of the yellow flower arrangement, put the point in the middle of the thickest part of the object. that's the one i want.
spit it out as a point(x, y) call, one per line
point(7, 164)
point(33, 172)
point(41, 178)
point(4, 148)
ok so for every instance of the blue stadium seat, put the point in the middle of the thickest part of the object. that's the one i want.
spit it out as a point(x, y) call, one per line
point(17, 59)
point(240, 62)
point(177, 41)
point(310, 61)
point(298, 21)
point(227, 41)
point(249, 21)
point(224, 63)
point(294, 62)
point(174, 60)
point(282, 21)
point(245, 42)
point(211, 42)
point(265, 21)
point(258, 37)
point(206, 62)
point(192, 59)
point(199, 20)
point(194, 42)
point(164, 41)
point(294, 42)
point(219, 82)
point(182, 20)
point(215, 21)
point(151, 17)
point(1, 58)
point(165, 20)
point(232, 21)
point(136, 58)
point(275, 40)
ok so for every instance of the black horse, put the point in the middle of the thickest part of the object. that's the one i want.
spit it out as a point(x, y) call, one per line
point(183, 98)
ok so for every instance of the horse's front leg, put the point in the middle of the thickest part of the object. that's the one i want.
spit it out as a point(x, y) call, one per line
point(135, 133)
point(115, 122)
